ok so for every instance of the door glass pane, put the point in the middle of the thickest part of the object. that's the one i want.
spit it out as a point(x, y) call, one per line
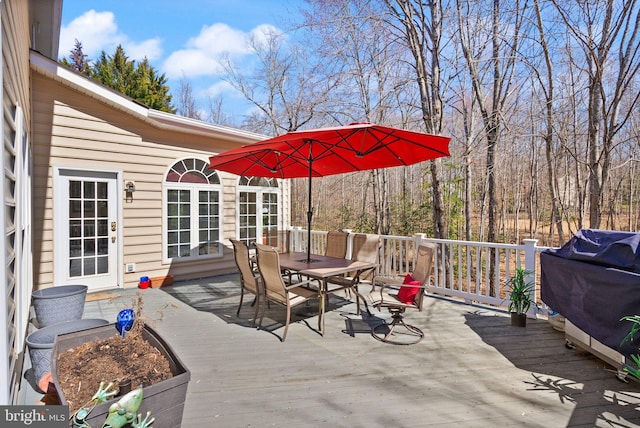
point(75, 210)
point(247, 217)
point(178, 223)
point(89, 266)
point(89, 190)
point(208, 242)
point(75, 247)
point(103, 246)
point(75, 189)
point(103, 209)
point(75, 268)
point(89, 248)
point(89, 228)
point(103, 227)
point(103, 265)
point(75, 229)
point(103, 190)
point(89, 209)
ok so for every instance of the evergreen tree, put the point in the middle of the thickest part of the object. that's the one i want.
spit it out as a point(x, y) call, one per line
point(151, 88)
point(77, 60)
point(115, 71)
point(138, 81)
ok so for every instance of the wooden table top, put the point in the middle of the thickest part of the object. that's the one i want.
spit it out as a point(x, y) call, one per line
point(321, 266)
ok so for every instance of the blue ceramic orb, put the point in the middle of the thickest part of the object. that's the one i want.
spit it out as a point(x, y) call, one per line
point(125, 320)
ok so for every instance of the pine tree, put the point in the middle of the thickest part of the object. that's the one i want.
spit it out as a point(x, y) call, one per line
point(138, 81)
point(151, 88)
point(77, 60)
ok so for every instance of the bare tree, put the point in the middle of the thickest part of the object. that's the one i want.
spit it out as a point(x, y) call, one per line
point(607, 32)
point(421, 28)
point(217, 113)
point(186, 104)
point(546, 79)
point(286, 87)
point(491, 65)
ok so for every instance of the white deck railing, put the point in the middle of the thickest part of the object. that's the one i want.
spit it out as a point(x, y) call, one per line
point(474, 272)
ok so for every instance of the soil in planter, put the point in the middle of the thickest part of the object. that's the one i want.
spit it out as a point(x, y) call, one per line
point(81, 369)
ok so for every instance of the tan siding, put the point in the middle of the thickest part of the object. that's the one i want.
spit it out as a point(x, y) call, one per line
point(77, 131)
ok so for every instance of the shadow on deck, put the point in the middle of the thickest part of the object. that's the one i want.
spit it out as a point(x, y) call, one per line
point(473, 369)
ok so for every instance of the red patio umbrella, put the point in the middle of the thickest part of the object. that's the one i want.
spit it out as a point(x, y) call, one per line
point(328, 151)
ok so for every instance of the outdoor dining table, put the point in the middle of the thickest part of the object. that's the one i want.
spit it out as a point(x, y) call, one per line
point(322, 268)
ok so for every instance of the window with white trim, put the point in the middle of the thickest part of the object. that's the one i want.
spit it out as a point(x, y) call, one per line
point(257, 208)
point(192, 210)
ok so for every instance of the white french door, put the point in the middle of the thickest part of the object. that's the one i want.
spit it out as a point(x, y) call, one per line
point(86, 232)
point(258, 215)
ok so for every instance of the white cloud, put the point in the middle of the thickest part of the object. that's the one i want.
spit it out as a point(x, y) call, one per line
point(203, 53)
point(221, 88)
point(262, 33)
point(98, 31)
point(219, 38)
point(191, 63)
point(151, 49)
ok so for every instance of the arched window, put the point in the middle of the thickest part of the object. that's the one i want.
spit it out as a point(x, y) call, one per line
point(258, 208)
point(192, 200)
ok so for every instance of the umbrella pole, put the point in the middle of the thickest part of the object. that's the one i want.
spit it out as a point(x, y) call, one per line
point(309, 207)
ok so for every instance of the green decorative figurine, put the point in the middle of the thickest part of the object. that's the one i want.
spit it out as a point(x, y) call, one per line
point(121, 413)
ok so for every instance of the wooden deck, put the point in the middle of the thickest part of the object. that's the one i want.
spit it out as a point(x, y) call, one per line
point(472, 369)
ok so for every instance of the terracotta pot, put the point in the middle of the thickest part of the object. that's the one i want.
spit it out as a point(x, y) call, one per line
point(165, 400)
point(160, 281)
point(519, 320)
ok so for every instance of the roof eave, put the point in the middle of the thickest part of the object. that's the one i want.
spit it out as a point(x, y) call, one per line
point(159, 119)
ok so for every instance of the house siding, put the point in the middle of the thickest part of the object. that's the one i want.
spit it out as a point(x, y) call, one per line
point(16, 239)
point(76, 131)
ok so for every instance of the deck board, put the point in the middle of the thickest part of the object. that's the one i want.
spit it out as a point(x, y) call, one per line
point(473, 369)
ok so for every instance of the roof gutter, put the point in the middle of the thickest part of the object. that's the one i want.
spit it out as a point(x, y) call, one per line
point(155, 118)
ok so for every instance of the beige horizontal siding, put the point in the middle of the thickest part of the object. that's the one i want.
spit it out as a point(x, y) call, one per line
point(76, 131)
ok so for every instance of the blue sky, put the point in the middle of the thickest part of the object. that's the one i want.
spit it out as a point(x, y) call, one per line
point(183, 38)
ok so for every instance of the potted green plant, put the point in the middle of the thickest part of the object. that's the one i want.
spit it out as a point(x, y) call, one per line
point(632, 369)
point(520, 296)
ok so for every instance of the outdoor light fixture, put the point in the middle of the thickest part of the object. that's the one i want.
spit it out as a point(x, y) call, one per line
point(130, 186)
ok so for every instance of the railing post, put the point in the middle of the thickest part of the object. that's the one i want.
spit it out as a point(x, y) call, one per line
point(530, 266)
point(349, 242)
point(296, 233)
point(419, 237)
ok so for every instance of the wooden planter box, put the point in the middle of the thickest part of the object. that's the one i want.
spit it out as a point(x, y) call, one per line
point(165, 400)
point(161, 281)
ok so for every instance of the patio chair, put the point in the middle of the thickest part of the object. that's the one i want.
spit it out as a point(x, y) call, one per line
point(366, 248)
point(336, 245)
point(397, 298)
point(249, 279)
point(274, 285)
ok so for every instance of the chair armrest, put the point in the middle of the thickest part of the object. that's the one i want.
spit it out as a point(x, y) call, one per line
point(391, 300)
point(391, 282)
point(301, 283)
point(386, 281)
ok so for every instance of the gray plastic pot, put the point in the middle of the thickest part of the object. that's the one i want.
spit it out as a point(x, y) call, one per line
point(58, 304)
point(40, 342)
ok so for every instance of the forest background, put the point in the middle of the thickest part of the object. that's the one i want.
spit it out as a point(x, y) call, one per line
point(540, 98)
